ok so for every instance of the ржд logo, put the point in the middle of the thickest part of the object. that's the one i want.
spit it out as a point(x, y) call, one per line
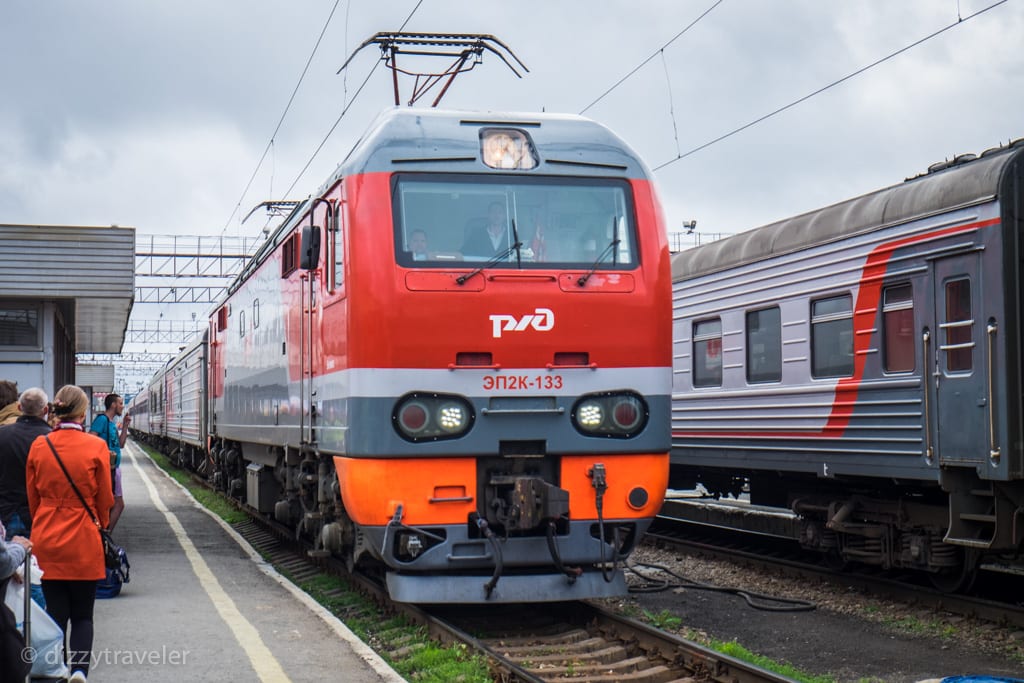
point(542, 320)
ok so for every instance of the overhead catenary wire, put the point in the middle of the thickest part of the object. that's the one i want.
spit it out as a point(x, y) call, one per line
point(346, 108)
point(859, 71)
point(287, 107)
point(656, 53)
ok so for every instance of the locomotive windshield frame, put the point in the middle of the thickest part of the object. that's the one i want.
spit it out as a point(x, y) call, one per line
point(560, 222)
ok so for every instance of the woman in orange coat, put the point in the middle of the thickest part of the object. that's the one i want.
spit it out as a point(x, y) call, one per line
point(65, 538)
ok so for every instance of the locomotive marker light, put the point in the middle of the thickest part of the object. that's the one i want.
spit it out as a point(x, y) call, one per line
point(421, 417)
point(620, 415)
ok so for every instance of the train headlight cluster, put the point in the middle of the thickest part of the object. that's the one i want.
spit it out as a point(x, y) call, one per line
point(507, 148)
point(430, 417)
point(617, 415)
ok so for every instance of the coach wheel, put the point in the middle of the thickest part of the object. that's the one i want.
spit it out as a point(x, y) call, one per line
point(957, 579)
point(835, 561)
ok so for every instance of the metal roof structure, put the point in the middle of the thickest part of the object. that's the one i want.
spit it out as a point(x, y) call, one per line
point(90, 268)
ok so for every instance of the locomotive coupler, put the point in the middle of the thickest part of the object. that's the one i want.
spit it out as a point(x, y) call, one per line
point(524, 503)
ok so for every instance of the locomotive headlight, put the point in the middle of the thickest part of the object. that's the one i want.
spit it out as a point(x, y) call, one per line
point(612, 414)
point(589, 415)
point(430, 417)
point(451, 417)
point(507, 148)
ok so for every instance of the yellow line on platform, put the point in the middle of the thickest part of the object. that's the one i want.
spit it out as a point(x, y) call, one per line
point(263, 661)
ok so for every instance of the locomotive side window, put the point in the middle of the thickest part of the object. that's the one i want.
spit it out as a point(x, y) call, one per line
point(957, 327)
point(290, 256)
point(764, 345)
point(898, 328)
point(707, 353)
point(337, 254)
point(832, 337)
point(535, 222)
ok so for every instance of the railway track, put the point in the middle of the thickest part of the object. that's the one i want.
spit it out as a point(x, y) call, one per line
point(998, 605)
point(577, 641)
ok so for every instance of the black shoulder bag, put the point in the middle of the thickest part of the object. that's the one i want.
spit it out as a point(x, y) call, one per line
point(111, 551)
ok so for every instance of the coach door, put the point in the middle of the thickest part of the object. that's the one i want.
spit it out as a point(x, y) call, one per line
point(954, 363)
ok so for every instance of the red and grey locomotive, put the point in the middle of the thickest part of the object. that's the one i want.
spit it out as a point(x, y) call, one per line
point(452, 362)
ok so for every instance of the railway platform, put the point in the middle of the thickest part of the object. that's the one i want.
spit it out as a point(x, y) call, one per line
point(203, 606)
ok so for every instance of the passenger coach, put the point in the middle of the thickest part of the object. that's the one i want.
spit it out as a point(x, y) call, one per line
point(861, 364)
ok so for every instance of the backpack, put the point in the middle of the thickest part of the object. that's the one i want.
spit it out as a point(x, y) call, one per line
point(110, 587)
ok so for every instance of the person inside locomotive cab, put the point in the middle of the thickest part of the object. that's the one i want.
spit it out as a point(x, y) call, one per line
point(491, 237)
point(417, 245)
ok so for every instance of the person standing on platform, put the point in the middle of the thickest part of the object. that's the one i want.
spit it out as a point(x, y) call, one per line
point(13, 666)
point(64, 537)
point(107, 430)
point(8, 402)
point(15, 440)
point(12, 553)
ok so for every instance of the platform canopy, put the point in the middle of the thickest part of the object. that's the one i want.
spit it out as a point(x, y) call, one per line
point(88, 271)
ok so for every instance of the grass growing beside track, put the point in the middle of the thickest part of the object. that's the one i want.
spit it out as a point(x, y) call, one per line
point(734, 649)
point(208, 499)
point(667, 621)
point(406, 647)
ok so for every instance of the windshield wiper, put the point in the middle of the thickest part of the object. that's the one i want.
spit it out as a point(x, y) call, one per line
point(497, 258)
point(582, 279)
point(515, 236)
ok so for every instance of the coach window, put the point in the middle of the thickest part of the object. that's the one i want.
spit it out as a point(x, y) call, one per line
point(241, 323)
point(707, 353)
point(832, 337)
point(959, 344)
point(898, 328)
point(764, 345)
point(255, 313)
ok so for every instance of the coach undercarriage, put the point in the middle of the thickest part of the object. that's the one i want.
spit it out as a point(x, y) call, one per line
point(884, 533)
point(943, 531)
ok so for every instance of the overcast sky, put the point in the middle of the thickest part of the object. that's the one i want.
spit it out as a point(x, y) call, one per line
point(155, 114)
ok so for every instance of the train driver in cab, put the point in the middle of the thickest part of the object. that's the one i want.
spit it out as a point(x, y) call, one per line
point(491, 238)
point(417, 245)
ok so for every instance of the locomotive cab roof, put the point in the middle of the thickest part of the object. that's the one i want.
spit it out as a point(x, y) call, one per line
point(403, 138)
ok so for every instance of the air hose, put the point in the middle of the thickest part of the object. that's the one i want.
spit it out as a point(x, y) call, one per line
point(485, 529)
point(572, 572)
point(600, 484)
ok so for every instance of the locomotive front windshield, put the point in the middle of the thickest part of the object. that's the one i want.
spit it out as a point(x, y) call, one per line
point(537, 222)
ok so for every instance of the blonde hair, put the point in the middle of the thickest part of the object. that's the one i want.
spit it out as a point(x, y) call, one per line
point(70, 403)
